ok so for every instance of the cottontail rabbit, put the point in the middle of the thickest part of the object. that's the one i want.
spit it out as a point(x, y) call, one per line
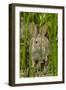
point(39, 43)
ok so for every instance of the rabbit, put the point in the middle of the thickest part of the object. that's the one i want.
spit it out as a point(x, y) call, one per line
point(39, 43)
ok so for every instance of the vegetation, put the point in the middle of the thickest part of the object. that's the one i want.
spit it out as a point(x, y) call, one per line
point(40, 19)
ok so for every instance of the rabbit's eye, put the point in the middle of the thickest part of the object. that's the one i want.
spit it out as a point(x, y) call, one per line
point(36, 42)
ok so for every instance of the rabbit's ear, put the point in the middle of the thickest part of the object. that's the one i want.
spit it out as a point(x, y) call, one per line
point(43, 29)
point(33, 29)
